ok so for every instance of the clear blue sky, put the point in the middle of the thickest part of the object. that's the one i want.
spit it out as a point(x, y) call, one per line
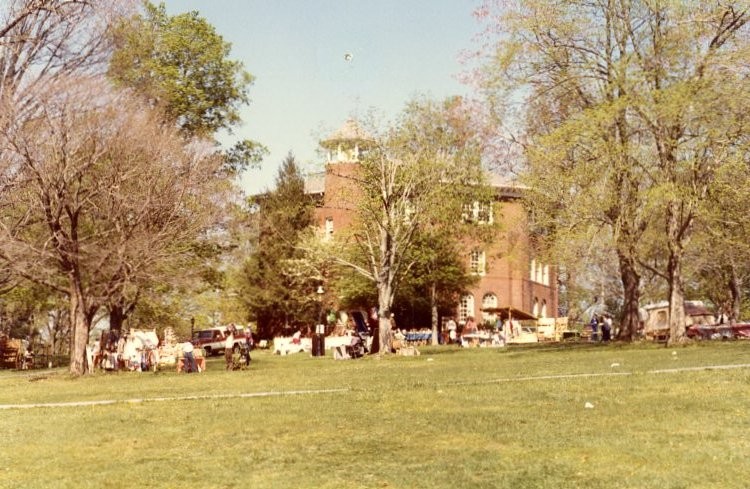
point(305, 89)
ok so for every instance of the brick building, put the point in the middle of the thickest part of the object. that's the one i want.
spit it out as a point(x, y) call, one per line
point(511, 278)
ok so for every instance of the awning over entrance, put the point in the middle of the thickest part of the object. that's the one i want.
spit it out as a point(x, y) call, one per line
point(509, 312)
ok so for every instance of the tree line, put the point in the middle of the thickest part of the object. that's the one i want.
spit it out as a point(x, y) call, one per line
point(632, 132)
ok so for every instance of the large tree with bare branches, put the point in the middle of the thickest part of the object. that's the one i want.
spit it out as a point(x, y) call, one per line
point(101, 192)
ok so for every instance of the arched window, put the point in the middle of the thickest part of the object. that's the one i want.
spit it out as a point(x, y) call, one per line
point(466, 307)
point(544, 308)
point(535, 311)
point(489, 301)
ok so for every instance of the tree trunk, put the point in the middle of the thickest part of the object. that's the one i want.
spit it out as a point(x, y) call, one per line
point(676, 300)
point(631, 284)
point(434, 312)
point(80, 325)
point(676, 230)
point(735, 291)
point(116, 318)
point(385, 300)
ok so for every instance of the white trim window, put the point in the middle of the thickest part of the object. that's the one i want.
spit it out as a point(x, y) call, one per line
point(477, 262)
point(478, 212)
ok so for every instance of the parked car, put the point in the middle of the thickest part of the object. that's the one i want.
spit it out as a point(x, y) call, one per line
point(213, 340)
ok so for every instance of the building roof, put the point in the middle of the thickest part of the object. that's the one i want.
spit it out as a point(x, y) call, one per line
point(505, 186)
point(315, 184)
point(692, 308)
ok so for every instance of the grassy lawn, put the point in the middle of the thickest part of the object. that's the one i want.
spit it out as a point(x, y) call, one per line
point(482, 418)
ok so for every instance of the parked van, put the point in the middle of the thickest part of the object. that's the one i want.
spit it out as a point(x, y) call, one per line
point(213, 340)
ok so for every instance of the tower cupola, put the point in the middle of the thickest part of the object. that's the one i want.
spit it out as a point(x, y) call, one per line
point(348, 143)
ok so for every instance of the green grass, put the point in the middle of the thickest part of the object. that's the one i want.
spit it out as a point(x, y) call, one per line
point(449, 418)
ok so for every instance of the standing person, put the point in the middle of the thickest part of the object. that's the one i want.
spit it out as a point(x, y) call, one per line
point(228, 346)
point(607, 329)
point(451, 325)
point(248, 344)
point(594, 328)
point(188, 363)
point(471, 326)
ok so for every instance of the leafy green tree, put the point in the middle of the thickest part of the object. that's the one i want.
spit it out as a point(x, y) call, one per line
point(279, 284)
point(627, 120)
point(439, 274)
point(719, 254)
point(417, 176)
point(180, 63)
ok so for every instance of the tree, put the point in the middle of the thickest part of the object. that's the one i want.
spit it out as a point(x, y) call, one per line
point(439, 272)
point(278, 283)
point(719, 255)
point(181, 64)
point(627, 122)
point(101, 190)
point(43, 40)
point(421, 173)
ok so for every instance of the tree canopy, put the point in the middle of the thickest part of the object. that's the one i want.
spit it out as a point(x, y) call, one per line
point(181, 64)
point(631, 107)
point(277, 282)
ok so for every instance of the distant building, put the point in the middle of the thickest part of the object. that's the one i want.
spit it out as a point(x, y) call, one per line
point(657, 316)
point(511, 276)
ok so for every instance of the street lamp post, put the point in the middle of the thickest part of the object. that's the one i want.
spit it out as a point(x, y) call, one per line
point(319, 336)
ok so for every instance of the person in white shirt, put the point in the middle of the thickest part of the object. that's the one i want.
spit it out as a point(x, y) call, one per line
point(228, 346)
point(451, 325)
point(189, 364)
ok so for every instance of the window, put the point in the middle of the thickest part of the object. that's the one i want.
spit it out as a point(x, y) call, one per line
point(545, 275)
point(477, 263)
point(661, 319)
point(329, 229)
point(466, 307)
point(544, 309)
point(483, 212)
point(489, 301)
point(532, 271)
point(535, 311)
point(479, 212)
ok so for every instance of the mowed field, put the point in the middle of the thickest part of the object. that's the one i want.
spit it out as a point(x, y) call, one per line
point(548, 416)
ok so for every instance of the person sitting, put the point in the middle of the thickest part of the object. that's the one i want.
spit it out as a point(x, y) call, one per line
point(296, 337)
